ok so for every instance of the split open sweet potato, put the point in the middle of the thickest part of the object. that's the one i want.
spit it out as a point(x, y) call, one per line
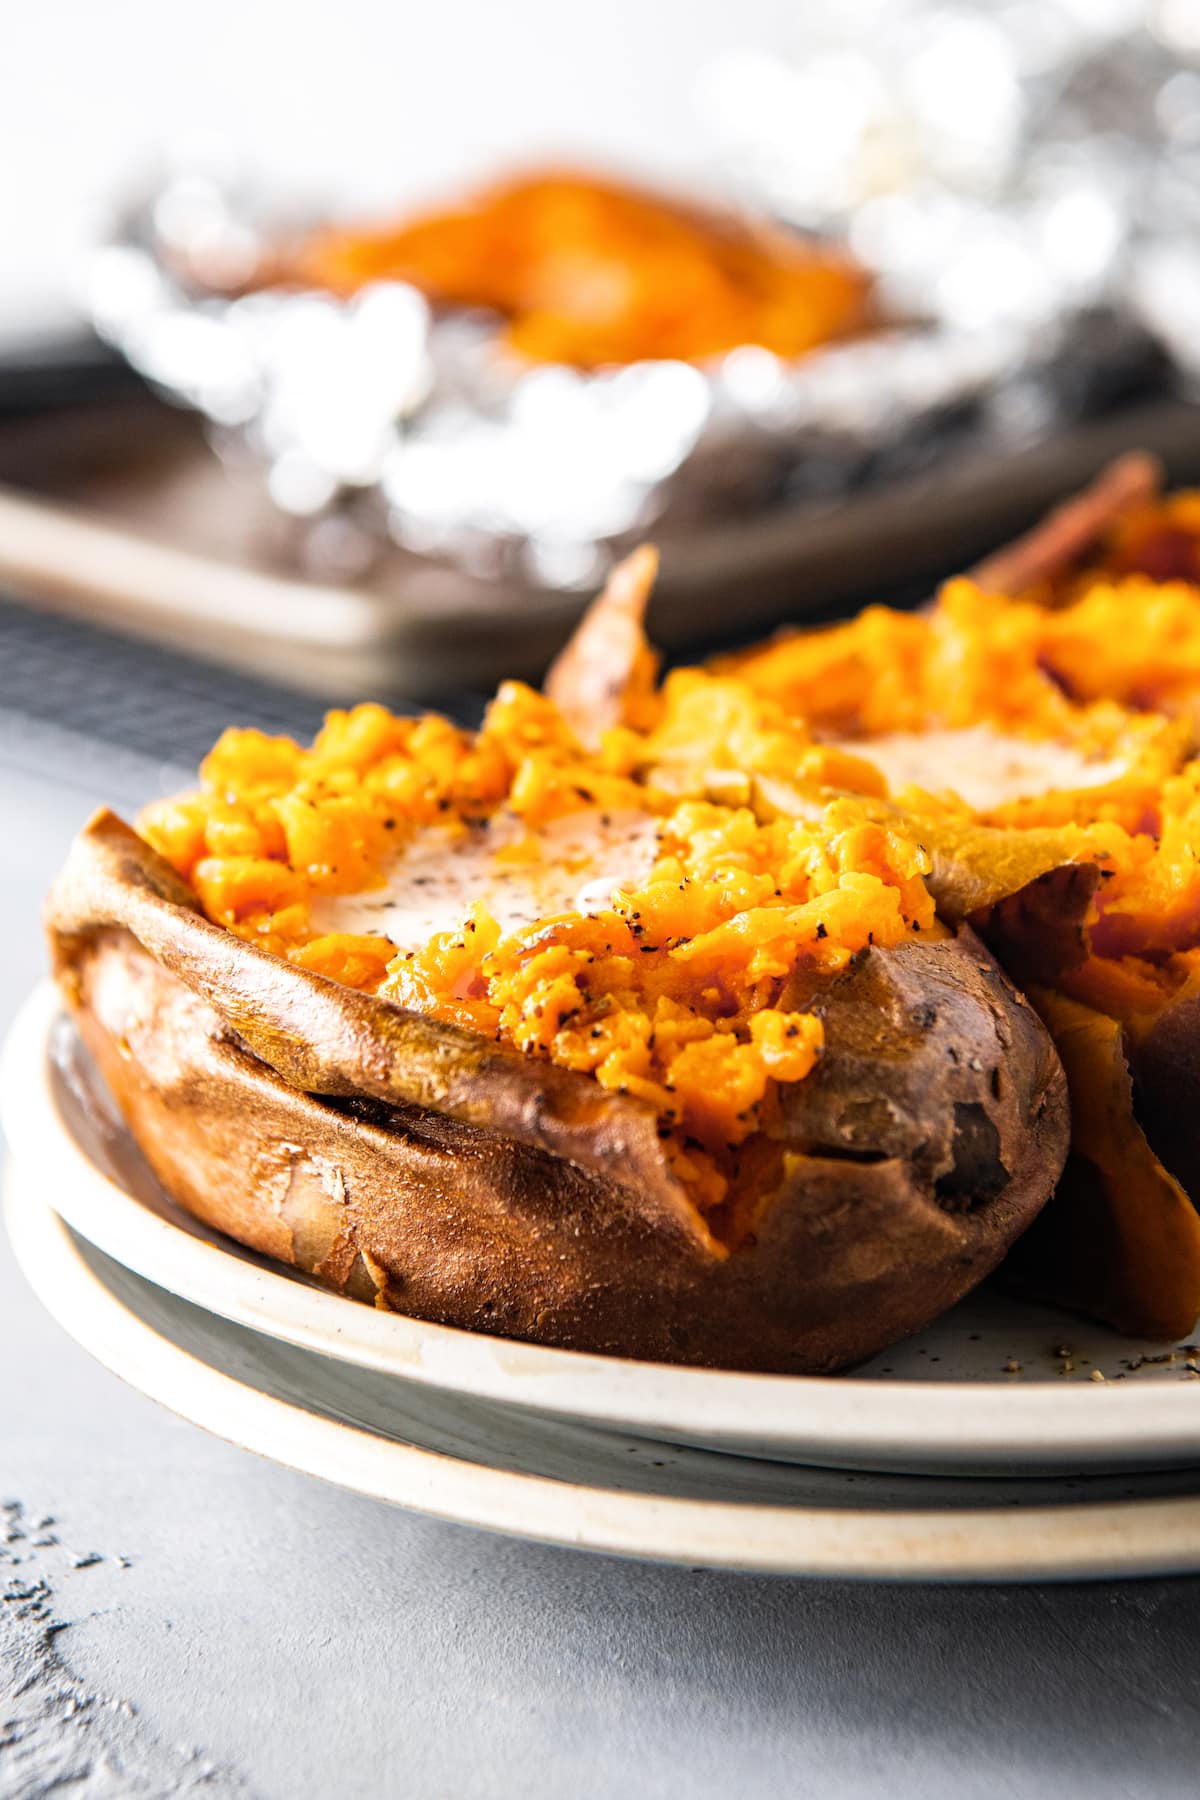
point(408, 1161)
point(1083, 635)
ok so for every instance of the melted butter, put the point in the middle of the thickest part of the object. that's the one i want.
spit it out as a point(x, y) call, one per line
point(982, 766)
point(576, 864)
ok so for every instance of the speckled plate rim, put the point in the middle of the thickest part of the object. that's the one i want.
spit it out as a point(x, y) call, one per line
point(848, 1421)
point(1062, 1542)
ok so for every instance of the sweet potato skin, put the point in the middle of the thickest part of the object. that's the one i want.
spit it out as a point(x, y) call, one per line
point(1165, 1063)
point(905, 1166)
point(1120, 1239)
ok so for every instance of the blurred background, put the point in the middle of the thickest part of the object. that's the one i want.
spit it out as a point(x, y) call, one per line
point(302, 400)
point(379, 103)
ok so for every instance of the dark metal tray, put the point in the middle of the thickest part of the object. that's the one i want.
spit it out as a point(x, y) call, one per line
point(118, 513)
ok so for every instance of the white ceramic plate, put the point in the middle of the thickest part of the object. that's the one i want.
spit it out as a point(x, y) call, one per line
point(514, 1471)
point(944, 1401)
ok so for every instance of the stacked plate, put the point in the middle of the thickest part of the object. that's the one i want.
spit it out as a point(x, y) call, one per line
point(1007, 1442)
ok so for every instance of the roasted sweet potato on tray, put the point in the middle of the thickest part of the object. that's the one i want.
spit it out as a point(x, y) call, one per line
point(589, 1044)
point(589, 271)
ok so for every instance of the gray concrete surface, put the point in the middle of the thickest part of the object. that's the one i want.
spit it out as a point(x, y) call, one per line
point(178, 1617)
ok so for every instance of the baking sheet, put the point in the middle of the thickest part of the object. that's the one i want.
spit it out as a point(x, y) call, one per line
point(122, 515)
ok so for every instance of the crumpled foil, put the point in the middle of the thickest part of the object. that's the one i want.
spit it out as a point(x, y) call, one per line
point(1020, 176)
point(999, 161)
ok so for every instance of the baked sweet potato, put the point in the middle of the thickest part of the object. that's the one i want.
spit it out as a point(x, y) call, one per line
point(1070, 662)
point(404, 1159)
point(1082, 636)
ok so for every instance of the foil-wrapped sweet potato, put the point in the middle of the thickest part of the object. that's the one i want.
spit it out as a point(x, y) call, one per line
point(591, 271)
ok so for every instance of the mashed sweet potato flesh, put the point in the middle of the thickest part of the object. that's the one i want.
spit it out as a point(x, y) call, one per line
point(646, 926)
point(1099, 690)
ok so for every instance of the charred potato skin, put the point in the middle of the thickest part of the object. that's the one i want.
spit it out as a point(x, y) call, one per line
point(923, 1144)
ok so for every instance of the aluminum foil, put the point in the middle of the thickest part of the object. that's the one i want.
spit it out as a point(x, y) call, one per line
point(998, 161)
point(1021, 177)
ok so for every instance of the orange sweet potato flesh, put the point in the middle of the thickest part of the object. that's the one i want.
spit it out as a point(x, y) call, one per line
point(1027, 893)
